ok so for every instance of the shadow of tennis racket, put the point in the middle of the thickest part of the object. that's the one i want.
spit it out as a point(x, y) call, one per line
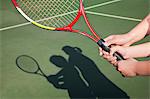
point(29, 65)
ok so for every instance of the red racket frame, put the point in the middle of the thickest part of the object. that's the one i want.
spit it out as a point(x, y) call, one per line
point(80, 13)
point(94, 37)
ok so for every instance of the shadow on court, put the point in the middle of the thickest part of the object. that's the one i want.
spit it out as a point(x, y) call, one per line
point(80, 76)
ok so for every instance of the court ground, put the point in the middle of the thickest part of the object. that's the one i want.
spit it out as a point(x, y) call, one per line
point(18, 37)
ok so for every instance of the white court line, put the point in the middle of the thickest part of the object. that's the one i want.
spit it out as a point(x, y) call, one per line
point(94, 6)
point(102, 4)
point(114, 16)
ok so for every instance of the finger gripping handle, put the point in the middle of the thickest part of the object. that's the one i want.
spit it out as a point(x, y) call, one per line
point(107, 49)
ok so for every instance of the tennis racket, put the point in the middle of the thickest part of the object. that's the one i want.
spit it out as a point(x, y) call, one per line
point(59, 15)
point(29, 65)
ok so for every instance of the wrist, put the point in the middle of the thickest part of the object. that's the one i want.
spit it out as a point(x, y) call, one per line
point(142, 68)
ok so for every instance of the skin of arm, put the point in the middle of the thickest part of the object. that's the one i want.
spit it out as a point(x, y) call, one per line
point(143, 68)
point(136, 34)
point(140, 31)
point(132, 67)
point(142, 50)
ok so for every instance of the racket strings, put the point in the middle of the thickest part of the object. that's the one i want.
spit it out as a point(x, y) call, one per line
point(53, 13)
point(61, 18)
point(65, 8)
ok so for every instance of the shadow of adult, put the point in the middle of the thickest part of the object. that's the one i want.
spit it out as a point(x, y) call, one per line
point(101, 86)
point(69, 78)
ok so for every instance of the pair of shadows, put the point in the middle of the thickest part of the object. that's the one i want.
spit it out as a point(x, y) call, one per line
point(91, 85)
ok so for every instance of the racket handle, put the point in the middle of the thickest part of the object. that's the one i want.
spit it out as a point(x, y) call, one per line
point(107, 49)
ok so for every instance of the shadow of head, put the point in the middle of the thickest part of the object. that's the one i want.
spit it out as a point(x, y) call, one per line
point(71, 50)
point(58, 61)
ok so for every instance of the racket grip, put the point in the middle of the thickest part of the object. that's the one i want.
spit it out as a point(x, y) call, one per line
point(107, 49)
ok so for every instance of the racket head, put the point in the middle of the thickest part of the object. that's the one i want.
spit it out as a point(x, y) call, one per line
point(27, 64)
point(49, 14)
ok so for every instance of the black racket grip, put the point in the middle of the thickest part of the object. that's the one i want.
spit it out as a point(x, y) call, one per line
point(107, 49)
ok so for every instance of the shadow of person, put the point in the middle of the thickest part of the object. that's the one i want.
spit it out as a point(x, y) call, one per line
point(69, 78)
point(101, 86)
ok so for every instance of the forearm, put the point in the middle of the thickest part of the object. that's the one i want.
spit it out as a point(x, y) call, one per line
point(143, 68)
point(142, 50)
point(140, 31)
